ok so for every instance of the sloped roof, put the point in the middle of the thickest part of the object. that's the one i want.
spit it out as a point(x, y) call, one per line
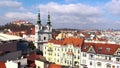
point(2, 65)
point(86, 47)
point(33, 57)
point(77, 42)
point(112, 48)
point(5, 37)
point(54, 66)
point(101, 48)
point(74, 41)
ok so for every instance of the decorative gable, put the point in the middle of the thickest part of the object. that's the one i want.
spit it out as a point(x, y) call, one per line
point(91, 50)
point(117, 52)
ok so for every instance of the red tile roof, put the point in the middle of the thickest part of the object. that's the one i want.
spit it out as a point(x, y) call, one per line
point(75, 41)
point(2, 65)
point(33, 57)
point(86, 47)
point(101, 48)
point(54, 66)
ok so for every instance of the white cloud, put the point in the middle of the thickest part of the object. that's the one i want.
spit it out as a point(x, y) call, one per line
point(79, 8)
point(72, 14)
point(68, 16)
point(10, 3)
point(28, 16)
point(113, 7)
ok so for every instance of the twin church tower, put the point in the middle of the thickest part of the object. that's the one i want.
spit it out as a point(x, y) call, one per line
point(43, 33)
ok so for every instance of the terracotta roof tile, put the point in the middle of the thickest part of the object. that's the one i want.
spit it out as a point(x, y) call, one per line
point(54, 66)
point(33, 57)
point(101, 48)
point(2, 65)
point(75, 41)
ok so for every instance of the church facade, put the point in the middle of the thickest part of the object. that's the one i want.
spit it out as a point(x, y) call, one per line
point(43, 33)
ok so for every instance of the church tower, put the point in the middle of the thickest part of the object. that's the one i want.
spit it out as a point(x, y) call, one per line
point(42, 33)
point(48, 25)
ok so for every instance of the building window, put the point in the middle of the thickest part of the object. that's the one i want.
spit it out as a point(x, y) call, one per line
point(45, 47)
point(109, 58)
point(118, 67)
point(98, 63)
point(44, 38)
point(70, 62)
point(108, 49)
point(99, 49)
point(91, 55)
point(78, 57)
point(118, 53)
point(57, 60)
point(106, 57)
point(78, 51)
point(58, 49)
point(84, 54)
point(55, 49)
point(117, 59)
point(75, 56)
point(65, 49)
point(65, 61)
point(108, 66)
point(62, 49)
point(90, 62)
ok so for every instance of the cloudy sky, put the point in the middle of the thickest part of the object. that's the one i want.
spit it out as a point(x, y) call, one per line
point(80, 14)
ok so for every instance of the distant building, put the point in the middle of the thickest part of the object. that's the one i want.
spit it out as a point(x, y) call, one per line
point(42, 33)
point(22, 22)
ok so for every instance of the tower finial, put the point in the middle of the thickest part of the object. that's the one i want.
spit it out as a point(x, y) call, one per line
point(48, 21)
point(39, 20)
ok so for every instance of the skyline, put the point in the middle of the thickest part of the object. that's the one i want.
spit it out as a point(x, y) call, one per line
point(78, 14)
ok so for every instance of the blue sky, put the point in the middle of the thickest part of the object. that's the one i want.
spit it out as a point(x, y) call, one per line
point(80, 14)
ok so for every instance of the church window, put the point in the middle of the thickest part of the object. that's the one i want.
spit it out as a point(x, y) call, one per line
point(44, 38)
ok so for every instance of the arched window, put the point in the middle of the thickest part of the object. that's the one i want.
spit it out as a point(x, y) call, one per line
point(98, 63)
point(108, 65)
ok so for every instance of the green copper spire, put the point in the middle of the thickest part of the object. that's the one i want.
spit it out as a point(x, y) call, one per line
point(39, 20)
point(48, 21)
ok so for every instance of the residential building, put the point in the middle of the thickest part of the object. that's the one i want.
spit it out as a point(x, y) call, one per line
point(63, 52)
point(75, 52)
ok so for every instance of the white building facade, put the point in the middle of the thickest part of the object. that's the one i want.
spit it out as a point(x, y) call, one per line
point(83, 55)
point(64, 52)
point(42, 33)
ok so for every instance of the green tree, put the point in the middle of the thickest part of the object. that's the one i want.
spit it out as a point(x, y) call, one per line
point(31, 45)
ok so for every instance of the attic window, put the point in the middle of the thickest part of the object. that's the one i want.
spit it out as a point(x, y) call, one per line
point(100, 49)
point(108, 49)
point(85, 47)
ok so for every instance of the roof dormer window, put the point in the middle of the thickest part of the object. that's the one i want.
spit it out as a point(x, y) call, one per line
point(100, 49)
point(85, 47)
point(108, 49)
